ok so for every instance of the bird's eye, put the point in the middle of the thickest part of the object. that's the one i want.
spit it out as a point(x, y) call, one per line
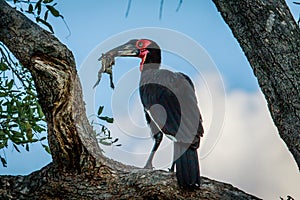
point(140, 44)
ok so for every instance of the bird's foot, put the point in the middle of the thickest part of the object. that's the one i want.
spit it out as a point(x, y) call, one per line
point(172, 167)
point(149, 166)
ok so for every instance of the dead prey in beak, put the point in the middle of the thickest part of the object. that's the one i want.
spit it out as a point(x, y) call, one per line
point(108, 60)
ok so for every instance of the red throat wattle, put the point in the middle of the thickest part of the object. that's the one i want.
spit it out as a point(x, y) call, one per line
point(142, 45)
point(143, 55)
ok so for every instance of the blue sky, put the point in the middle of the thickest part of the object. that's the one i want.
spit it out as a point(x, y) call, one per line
point(96, 21)
point(93, 22)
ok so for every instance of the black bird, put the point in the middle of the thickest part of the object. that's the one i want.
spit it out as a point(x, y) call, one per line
point(170, 107)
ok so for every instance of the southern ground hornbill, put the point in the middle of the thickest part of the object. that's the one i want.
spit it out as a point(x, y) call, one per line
point(170, 107)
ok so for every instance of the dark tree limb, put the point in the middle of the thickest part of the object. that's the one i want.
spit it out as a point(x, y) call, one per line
point(53, 69)
point(270, 39)
point(49, 183)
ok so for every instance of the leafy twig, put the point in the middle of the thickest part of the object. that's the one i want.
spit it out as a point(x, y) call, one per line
point(104, 136)
point(179, 5)
point(161, 8)
point(128, 8)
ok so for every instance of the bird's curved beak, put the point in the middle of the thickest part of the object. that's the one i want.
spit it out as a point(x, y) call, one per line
point(125, 50)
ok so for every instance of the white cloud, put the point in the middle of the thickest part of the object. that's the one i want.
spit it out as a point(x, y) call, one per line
point(247, 153)
point(250, 153)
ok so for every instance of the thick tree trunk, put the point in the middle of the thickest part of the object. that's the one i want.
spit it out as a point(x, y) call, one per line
point(269, 37)
point(79, 170)
point(53, 69)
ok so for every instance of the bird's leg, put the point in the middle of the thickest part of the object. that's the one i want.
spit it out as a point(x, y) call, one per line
point(158, 138)
point(149, 161)
point(172, 167)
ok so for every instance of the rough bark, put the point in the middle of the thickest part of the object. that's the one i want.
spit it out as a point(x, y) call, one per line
point(269, 37)
point(53, 69)
point(79, 170)
point(49, 183)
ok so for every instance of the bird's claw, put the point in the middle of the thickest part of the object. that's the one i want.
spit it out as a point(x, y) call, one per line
point(171, 170)
point(149, 167)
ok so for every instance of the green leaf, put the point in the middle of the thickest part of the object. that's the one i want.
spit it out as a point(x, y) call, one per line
point(100, 110)
point(15, 146)
point(39, 110)
point(10, 84)
point(45, 23)
point(38, 6)
point(53, 11)
point(116, 140)
point(2, 145)
point(9, 111)
point(102, 141)
point(2, 133)
point(3, 160)
point(34, 140)
point(46, 15)
point(13, 126)
point(3, 66)
point(47, 149)
point(3, 94)
point(16, 134)
point(38, 128)
point(30, 8)
point(30, 92)
point(47, 1)
point(103, 129)
point(107, 119)
point(43, 138)
point(27, 147)
point(29, 134)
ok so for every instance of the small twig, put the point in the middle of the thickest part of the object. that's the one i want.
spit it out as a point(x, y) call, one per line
point(161, 9)
point(69, 30)
point(9, 61)
point(179, 5)
point(128, 8)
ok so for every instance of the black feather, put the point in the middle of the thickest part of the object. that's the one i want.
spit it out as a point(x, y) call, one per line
point(187, 166)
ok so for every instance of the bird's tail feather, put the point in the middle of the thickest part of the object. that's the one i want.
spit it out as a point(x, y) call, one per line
point(187, 167)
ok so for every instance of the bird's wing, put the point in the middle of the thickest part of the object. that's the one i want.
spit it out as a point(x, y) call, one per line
point(170, 99)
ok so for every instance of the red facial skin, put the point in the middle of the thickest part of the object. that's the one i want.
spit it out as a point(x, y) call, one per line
point(142, 45)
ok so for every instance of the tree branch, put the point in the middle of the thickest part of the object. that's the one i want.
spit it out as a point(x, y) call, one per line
point(52, 66)
point(269, 37)
point(49, 183)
